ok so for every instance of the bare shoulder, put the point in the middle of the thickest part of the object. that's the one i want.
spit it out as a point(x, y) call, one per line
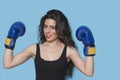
point(74, 55)
point(31, 49)
point(71, 51)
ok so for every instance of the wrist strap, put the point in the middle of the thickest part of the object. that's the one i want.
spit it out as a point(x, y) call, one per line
point(10, 43)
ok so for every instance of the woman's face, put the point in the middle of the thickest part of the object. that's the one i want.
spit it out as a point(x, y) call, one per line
point(50, 30)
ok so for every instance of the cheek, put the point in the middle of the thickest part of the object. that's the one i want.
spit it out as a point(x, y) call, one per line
point(55, 33)
point(45, 31)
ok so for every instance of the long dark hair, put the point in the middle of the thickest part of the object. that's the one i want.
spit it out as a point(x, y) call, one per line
point(63, 31)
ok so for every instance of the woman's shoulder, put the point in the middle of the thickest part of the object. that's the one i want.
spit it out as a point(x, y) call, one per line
point(32, 47)
point(71, 50)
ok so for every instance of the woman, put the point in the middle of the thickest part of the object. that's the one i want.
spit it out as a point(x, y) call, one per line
point(55, 53)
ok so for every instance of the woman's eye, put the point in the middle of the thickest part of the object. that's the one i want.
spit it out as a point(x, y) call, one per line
point(53, 27)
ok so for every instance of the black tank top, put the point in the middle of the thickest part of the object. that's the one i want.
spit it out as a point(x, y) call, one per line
point(50, 70)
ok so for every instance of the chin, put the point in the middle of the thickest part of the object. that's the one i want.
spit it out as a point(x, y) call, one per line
point(51, 40)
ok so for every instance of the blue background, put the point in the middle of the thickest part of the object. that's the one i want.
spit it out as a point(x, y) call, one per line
point(101, 16)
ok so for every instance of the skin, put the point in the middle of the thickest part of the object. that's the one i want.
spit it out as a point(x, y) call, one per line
point(50, 50)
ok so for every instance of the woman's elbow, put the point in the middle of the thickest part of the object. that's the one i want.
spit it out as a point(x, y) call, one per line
point(6, 66)
point(89, 74)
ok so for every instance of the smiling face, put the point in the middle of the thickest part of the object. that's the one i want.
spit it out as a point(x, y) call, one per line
point(50, 30)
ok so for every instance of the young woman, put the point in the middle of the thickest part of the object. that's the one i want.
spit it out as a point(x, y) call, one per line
point(54, 55)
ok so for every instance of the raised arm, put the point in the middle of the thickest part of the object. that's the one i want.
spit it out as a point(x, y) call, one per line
point(11, 60)
point(85, 66)
point(84, 34)
point(17, 29)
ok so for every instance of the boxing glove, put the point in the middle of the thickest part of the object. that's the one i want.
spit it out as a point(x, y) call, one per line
point(85, 35)
point(17, 29)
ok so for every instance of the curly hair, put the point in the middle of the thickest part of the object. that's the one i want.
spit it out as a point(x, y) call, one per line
point(63, 31)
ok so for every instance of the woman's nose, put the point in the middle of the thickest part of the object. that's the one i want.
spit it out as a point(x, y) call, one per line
point(47, 29)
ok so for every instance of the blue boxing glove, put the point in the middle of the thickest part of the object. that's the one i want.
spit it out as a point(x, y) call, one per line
point(85, 35)
point(17, 29)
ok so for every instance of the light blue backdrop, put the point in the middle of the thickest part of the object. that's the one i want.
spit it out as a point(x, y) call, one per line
point(101, 16)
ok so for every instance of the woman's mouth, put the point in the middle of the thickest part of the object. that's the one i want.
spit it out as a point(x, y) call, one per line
point(48, 36)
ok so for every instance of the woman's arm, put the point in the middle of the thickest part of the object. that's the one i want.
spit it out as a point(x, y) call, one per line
point(85, 66)
point(10, 60)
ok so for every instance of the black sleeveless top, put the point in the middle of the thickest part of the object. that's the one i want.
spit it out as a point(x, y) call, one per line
point(50, 70)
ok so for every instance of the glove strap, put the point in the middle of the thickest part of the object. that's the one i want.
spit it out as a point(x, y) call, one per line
point(89, 50)
point(10, 43)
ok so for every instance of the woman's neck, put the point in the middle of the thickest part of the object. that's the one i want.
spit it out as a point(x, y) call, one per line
point(53, 44)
